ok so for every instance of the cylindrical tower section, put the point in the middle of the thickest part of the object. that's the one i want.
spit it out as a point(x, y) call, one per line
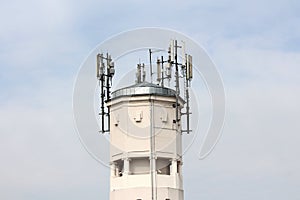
point(146, 143)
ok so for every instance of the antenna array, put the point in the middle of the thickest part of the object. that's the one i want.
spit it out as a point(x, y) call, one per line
point(165, 71)
point(105, 71)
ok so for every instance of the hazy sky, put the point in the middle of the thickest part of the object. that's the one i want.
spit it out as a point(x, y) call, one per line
point(255, 45)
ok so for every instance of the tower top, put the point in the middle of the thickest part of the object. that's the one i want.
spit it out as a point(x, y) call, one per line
point(144, 88)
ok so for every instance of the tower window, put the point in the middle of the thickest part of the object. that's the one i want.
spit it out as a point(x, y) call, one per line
point(178, 167)
point(119, 164)
point(139, 166)
point(163, 166)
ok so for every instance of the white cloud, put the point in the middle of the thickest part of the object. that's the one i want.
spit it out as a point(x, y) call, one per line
point(260, 142)
point(41, 153)
point(43, 43)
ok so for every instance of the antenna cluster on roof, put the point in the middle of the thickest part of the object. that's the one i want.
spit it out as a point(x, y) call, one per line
point(165, 70)
point(106, 70)
point(165, 66)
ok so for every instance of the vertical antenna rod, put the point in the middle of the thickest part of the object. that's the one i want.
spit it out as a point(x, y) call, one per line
point(158, 71)
point(177, 81)
point(189, 76)
point(108, 89)
point(162, 72)
point(151, 73)
point(187, 105)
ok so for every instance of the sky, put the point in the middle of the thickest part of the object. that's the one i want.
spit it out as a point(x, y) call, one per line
point(254, 44)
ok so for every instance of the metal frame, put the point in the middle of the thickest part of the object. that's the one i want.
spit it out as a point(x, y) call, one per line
point(105, 72)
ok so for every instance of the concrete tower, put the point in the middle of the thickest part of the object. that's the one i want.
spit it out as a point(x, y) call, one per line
point(146, 144)
point(145, 126)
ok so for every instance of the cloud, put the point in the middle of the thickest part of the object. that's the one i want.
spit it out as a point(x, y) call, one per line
point(254, 45)
point(260, 142)
point(41, 153)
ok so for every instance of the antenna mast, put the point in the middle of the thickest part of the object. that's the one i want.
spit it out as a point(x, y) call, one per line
point(150, 59)
point(105, 72)
point(187, 71)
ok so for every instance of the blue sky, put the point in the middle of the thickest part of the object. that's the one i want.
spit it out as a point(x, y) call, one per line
point(255, 45)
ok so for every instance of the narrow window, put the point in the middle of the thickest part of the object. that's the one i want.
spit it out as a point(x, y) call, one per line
point(163, 166)
point(119, 164)
point(178, 167)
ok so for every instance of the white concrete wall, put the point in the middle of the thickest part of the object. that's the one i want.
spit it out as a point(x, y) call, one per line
point(145, 194)
point(130, 139)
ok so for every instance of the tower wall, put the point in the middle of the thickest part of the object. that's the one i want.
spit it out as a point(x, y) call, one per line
point(133, 118)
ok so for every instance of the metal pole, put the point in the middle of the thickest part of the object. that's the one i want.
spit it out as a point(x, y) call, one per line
point(187, 108)
point(187, 96)
point(107, 89)
point(102, 102)
point(177, 82)
point(150, 54)
point(162, 71)
point(152, 154)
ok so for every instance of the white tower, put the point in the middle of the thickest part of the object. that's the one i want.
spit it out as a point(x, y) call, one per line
point(146, 149)
point(145, 126)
